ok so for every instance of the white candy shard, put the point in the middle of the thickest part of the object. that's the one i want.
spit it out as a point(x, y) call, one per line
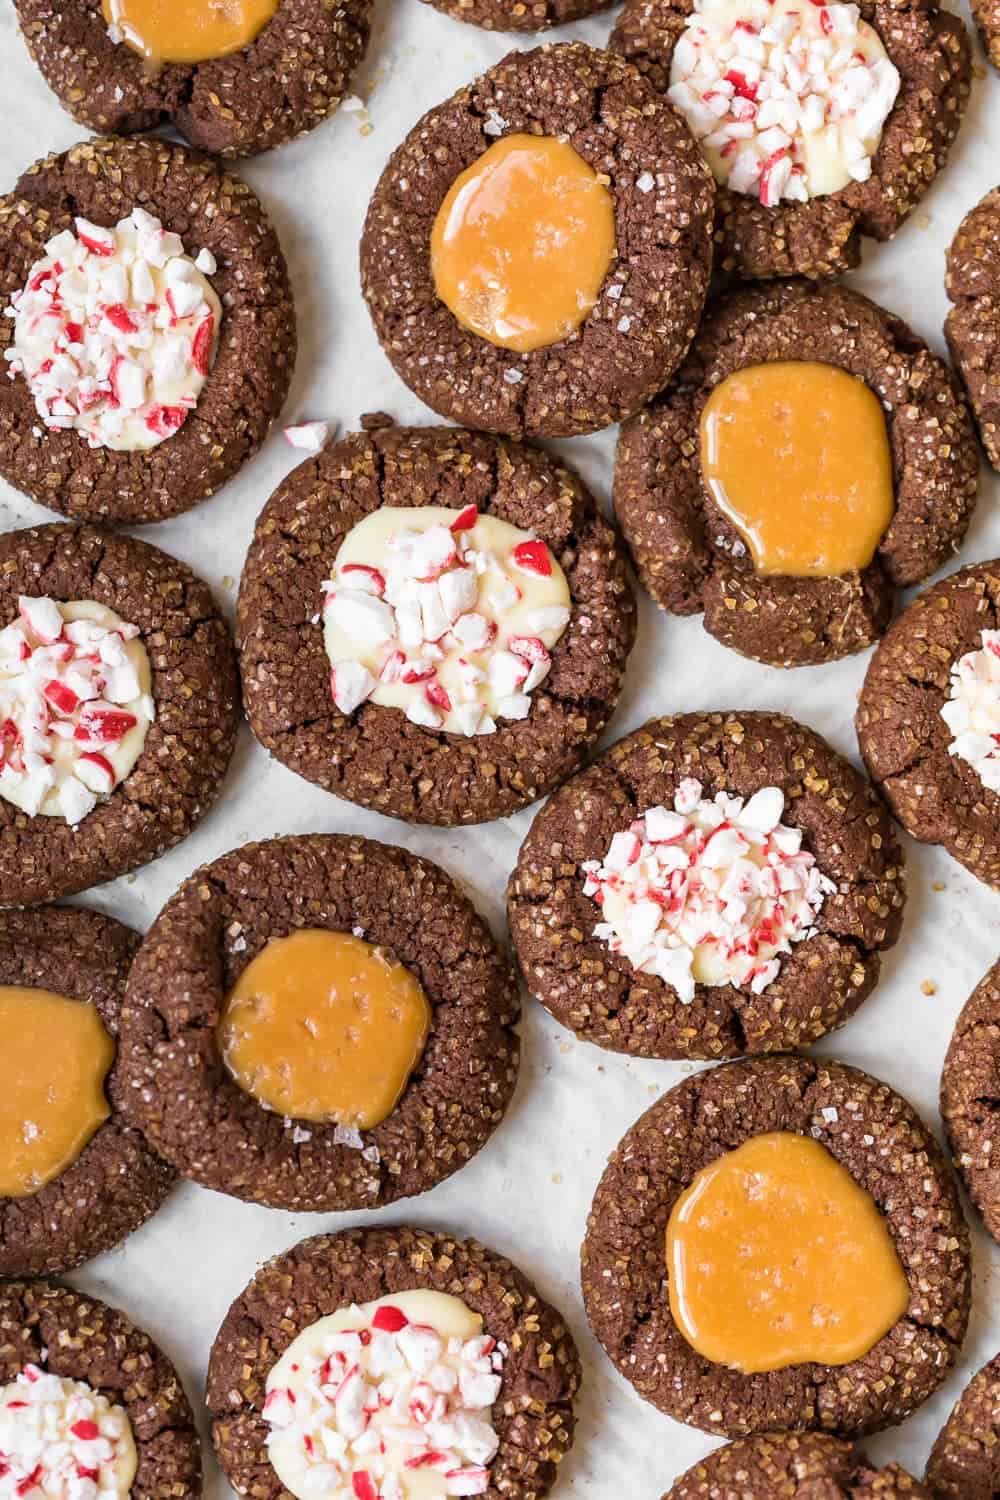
point(310, 437)
point(972, 710)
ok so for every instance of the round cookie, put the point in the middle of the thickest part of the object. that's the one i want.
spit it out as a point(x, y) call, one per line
point(533, 1414)
point(115, 1183)
point(688, 553)
point(651, 298)
point(285, 83)
point(885, 1147)
point(965, 1463)
point(973, 284)
point(194, 690)
point(822, 236)
point(200, 1120)
point(821, 982)
point(938, 797)
point(793, 1466)
point(68, 1334)
point(375, 755)
point(103, 181)
point(519, 15)
point(969, 1093)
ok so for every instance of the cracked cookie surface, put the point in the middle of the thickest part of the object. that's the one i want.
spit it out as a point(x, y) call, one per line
point(519, 15)
point(69, 1334)
point(651, 298)
point(877, 1136)
point(194, 687)
point(793, 1466)
point(971, 327)
point(822, 237)
point(965, 1460)
point(198, 1118)
point(103, 180)
point(821, 982)
point(683, 544)
point(116, 1182)
point(939, 798)
point(284, 84)
point(970, 1097)
point(374, 755)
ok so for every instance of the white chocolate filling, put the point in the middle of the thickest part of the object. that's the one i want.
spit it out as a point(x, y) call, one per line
point(115, 332)
point(449, 616)
point(787, 98)
point(390, 1400)
point(75, 706)
point(972, 710)
point(710, 892)
point(61, 1440)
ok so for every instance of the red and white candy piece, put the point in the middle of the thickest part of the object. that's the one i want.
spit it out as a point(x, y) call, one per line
point(60, 1438)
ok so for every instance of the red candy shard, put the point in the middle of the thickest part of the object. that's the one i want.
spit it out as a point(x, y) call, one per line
point(62, 698)
point(85, 1473)
point(533, 557)
point(389, 1319)
point(466, 519)
point(436, 694)
point(528, 648)
point(201, 344)
point(363, 1485)
point(373, 575)
point(85, 1430)
point(106, 725)
point(96, 247)
point(74, 333)
point(30, 1480)
point(422, 1459)
point(414, 673)
point(119, 317)
point(164, 420)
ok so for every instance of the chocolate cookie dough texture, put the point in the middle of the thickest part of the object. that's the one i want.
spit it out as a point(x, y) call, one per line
point(889, 1166)
point(106, 1403)
point(519, 15)
point(634, 971)
point(733, 545)
point(233, 81)
point(927, 713)
point(838, 119)
point(118, 702)
point(483, 1391)
point(970, 1093)
point(973, 284)
point(793, 1466)
point(965, 1460)
point(233, 1103)
point(149, 330)
point(451, 700)
point(75, 1178)
point(475, 340)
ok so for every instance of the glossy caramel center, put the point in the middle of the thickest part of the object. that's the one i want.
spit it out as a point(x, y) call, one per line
point(797, 456)
point(188, 31)
point(777, 1257)
point(56, 1058)
point(523, 241)
point(323, 1026)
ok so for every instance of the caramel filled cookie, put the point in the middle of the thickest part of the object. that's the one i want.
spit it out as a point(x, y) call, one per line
point(927, 714)
point(148, 333)
point(471, 1375)
point(433, 623)
point(969, 1096)
point(793, 1466)
point(118, 703)
point(537, 251)
point(319, 1023)
point(715, 884)
point(75, 1178)
point(811, 457)
point(973, 284)
point(822, 124)
point(964, 1462)
point(850, 1298)
point(233, 79)
point(89, 1398)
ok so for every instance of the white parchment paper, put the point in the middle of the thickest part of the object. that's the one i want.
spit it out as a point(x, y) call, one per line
point(528, 1193)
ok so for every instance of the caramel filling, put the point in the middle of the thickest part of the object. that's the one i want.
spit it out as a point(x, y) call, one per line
point(797, 456)
point(188, 31)
point(56, 1056)
point(777, 1257)
point(523, 241)
point(323, 1026)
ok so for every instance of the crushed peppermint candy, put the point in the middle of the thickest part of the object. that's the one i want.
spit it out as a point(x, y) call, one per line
point(75, 706)
point(368, 1400)
point(787, 98)
point(115, 332)
point(710, 892)
point(449, 615)
point(972, 710)
point(62, 1440)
